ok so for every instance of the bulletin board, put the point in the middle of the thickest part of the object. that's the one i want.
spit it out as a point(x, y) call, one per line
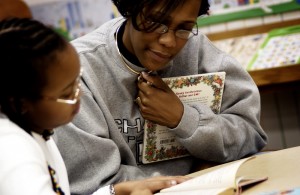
point(74, 18)
point(256, 11)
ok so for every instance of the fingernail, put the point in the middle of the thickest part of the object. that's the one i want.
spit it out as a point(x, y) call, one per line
point(140, 79)
point(149, 83)
point(145, 73)
point(173, 182)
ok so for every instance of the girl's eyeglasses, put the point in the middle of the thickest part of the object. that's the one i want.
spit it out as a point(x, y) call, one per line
point(74, 97)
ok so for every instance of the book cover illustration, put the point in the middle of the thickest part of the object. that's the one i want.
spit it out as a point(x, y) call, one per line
point(161, 144)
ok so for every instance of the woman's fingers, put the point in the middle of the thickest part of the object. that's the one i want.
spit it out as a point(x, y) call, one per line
point(146, 81)
point(148, 186)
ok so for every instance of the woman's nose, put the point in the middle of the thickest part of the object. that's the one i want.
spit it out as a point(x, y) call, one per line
point(168, 39)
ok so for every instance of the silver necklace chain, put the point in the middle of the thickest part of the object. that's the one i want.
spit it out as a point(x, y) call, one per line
point(122, 57)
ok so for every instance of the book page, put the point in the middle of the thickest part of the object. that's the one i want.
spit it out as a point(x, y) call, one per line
point(161, 144)
point(212, 191)
point(220, 179)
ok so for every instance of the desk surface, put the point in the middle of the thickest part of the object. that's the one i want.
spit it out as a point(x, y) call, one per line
point(282, 168)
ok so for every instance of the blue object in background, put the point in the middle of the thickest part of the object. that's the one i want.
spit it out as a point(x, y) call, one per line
point(295, 191)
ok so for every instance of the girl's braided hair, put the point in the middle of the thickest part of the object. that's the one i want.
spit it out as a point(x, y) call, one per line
point(27, 49)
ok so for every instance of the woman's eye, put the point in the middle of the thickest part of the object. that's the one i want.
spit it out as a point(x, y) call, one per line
point(148, 24)
point(185, 27)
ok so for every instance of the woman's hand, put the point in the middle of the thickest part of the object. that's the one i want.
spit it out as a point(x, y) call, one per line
point(157, 102)
point(147, 186)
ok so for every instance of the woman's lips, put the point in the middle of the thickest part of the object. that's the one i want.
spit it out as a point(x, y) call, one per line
point(160, 56)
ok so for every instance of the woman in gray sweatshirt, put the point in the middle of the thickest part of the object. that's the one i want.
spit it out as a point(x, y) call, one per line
point(103, 143)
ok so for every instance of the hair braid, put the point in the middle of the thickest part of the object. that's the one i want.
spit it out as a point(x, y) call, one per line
point(27, 49)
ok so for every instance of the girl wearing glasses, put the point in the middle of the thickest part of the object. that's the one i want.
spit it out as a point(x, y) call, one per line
point(40, 90)
point(154, 39)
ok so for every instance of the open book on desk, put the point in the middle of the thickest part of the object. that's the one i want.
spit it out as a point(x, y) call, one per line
point(161, 144)
point(221, 181)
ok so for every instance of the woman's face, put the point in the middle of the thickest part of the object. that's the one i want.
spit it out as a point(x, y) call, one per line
point(155, 50)
point(62, 83)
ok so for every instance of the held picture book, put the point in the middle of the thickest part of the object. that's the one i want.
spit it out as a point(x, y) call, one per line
point(221, 181)
point(161, 144)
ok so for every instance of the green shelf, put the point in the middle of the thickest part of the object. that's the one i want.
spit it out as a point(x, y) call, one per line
point(251, 13)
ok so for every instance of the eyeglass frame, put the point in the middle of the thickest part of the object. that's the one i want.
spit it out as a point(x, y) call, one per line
point(76, 92)
point(165, 29)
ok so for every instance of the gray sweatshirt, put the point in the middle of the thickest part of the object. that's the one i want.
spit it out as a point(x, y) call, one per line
point(102, 145)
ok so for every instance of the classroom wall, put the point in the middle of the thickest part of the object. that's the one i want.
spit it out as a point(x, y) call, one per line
point(280, 110)
point(281, 118)
point(73, 17)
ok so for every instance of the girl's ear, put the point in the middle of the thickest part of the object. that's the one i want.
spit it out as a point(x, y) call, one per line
point(19, 106)
point(24, 106)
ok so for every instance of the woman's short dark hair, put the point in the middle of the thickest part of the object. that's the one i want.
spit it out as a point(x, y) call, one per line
point(132, 8)
point(27, 49)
